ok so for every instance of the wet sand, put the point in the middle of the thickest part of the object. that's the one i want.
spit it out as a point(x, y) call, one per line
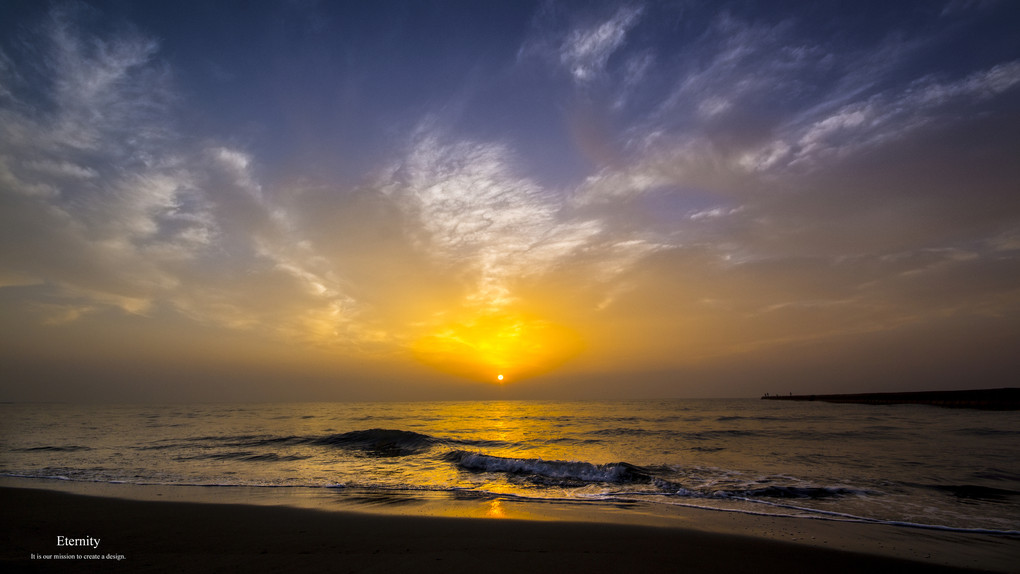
point(152, 536)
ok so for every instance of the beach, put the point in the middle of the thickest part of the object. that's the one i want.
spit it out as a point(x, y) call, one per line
point(693, 485)
point(156, 536)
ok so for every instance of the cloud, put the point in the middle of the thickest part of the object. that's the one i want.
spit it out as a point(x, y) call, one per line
point(821, 196)
point(105, 201)
point(882, 118)
point(101, 88)
point(91, 199)
point(475, 215)
point(585, 51)
point(755, 101)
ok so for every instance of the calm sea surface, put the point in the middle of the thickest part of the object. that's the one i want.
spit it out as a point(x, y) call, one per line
point(921, 465)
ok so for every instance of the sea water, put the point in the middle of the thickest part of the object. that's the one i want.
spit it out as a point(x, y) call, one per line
point(914, 465)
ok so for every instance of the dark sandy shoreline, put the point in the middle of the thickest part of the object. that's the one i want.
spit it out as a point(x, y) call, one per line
point(198, 537)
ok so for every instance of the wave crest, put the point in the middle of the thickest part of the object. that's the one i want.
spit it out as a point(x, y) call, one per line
point(565, 471)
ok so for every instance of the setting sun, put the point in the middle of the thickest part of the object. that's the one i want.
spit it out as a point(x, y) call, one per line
point(508, 342)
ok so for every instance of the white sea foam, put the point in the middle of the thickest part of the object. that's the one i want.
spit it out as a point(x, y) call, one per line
point(556, 469)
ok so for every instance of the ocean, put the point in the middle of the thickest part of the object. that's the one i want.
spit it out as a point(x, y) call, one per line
point(910, 465)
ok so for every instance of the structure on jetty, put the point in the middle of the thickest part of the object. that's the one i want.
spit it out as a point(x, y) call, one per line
point(1007, 399)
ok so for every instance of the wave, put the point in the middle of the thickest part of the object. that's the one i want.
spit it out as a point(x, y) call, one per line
point(988, 432)
point(804, 492)
point(976, 492)
point(577, 473)
point(572, 441)
point(635, 431)
point(479, 443)
point(245, 456)
point(69, 448)
point(249, 440)
point(564, 471)
point(997, 474)
point(379, 442)
point(266, 441)
point(679, 435)
point(375, 442)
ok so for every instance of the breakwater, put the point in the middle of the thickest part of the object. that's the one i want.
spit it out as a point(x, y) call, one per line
point(1006, 399)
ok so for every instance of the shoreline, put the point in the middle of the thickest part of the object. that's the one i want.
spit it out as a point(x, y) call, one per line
point(184, 535)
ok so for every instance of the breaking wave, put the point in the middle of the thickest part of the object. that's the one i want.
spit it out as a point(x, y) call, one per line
point(565, 471)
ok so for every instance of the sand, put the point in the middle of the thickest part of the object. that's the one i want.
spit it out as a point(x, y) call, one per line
point(151, 536)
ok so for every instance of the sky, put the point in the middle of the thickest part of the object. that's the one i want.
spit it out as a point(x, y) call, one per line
point(302, 200)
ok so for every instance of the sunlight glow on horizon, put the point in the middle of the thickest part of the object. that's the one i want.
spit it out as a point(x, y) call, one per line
point(508, 342)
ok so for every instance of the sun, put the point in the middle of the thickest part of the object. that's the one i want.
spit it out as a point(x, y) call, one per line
point(512, 344)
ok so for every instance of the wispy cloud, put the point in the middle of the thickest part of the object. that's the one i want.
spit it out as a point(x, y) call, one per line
point(481, 219)
point(104, 199)
point(586, 50)
point(86, 170)
point(883, 117)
